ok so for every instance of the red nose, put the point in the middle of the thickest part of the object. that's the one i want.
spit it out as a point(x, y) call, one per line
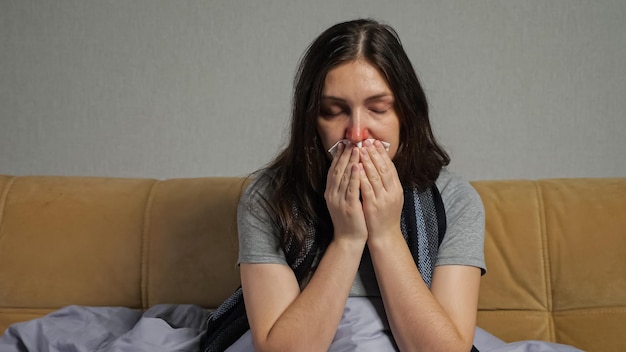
point(357, 134)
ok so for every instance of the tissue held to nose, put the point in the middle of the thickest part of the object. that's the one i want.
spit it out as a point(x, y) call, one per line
point(347, 142)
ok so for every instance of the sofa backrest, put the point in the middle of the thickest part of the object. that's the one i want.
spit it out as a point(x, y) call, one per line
point(555, 251)
point(556, 261)
point(115, 242)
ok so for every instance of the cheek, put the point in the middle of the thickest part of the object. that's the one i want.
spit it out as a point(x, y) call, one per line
point(328, 134)
point(394, 138)
point(329, 140)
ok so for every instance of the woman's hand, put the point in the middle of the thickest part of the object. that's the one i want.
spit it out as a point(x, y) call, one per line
point(342, 195)
point(381, 191)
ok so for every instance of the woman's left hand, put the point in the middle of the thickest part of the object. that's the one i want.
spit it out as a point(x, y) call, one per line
point(381, 191)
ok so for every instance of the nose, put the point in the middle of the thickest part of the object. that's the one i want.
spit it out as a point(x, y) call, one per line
point(357, 131)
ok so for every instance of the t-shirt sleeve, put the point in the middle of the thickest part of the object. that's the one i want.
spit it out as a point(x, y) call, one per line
point(463, 243)
point(259, 240)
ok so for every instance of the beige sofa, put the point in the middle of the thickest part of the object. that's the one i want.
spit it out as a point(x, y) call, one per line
point(555, 250)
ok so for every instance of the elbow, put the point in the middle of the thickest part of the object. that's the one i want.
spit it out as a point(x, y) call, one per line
point(442, 343)
point(462, 344)
point(287, 345)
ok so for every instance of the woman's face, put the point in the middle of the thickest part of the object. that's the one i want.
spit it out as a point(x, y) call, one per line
point(357, 104)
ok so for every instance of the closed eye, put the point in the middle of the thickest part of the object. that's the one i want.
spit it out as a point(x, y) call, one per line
point(332, 110)
point(380, 105)
point(331, 113)
point(379, 111)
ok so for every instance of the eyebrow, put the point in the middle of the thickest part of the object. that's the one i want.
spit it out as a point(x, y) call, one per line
point(369, 99)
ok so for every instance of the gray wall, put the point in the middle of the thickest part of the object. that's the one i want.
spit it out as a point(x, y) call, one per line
point(144, 88)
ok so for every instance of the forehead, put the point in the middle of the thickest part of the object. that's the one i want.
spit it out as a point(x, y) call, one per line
point(357, 76)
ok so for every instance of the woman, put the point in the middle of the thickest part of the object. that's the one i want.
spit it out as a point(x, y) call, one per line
point(336, 234)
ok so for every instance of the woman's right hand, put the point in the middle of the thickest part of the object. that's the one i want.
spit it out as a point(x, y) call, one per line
point(342, 195)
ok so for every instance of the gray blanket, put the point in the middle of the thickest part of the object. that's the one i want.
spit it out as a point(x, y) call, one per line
point(178, 328)
point(162, 328)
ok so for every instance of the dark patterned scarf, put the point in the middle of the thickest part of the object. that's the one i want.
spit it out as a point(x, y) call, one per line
point(423, 225)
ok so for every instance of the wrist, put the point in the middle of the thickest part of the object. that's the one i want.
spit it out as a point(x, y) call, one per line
point(385, 241)
point(350, 243)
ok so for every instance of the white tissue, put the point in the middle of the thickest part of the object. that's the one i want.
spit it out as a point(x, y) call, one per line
point(347, 142)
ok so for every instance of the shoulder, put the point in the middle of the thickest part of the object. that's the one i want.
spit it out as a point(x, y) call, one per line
point(259, 236)
point(257, 192)
point(465, 217)
point(457, 194)
point(254, 209)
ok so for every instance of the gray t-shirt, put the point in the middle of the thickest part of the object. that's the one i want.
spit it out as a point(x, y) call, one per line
point(463, 243)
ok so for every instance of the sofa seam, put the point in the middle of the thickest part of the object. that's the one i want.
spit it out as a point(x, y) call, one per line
point(546, 259)
point(573, 311)
point(3, 202)
point(145, 247)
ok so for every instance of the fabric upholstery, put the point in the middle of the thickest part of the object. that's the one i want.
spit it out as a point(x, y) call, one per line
point(555, 251)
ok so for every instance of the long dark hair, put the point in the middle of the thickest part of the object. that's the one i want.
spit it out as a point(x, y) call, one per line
point(296, 179)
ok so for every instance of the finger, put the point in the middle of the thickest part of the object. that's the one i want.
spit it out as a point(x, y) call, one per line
point(367, 192)
point(371, 172)
point(347, 176)
point(337, 167)
point(353, 190)
point(380, 147)
point(381, 161)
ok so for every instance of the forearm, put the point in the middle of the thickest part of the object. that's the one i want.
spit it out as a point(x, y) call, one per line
point(418, 321)
point(311, 320)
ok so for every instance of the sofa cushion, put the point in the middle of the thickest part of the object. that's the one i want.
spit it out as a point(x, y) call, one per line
point(555, 250)
point(55, 250)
